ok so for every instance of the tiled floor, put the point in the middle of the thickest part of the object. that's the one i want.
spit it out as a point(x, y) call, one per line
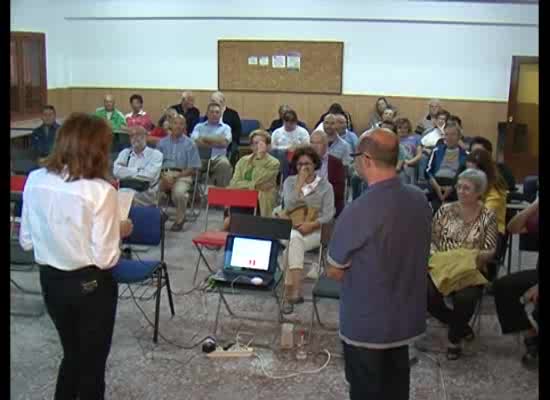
point(139, 370)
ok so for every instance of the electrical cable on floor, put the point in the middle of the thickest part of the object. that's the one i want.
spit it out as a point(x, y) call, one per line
point(294, 374)
point(184, 347)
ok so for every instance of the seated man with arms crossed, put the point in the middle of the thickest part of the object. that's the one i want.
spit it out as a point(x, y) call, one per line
point(181, 160)
point(215, 134)
point(141, 164)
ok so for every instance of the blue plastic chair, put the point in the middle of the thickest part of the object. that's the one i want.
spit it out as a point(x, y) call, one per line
point(248, 125)
point(149, 231)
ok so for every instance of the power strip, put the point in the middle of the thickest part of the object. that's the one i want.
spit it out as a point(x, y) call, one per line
point(241, 352)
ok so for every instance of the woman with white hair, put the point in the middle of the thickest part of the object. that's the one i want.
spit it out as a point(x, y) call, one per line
point(464, 236)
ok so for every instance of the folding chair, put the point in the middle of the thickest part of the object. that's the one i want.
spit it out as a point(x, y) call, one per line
point(23, 161)
point(148, 230)
point(20, 260)
point(248, 125)
point(324, 287)
point(259, 227)
point(224, 198)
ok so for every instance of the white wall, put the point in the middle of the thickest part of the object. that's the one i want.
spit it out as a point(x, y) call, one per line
point(406, 48)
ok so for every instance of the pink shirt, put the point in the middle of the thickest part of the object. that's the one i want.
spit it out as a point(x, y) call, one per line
point(141, 119)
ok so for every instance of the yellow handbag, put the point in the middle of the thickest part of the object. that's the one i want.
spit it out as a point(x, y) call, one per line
point(455, 270)
point(301, 214)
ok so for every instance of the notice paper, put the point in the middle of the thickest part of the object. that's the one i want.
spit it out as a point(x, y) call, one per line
point(252, 60)
point(278, 61)
point(264, 61)
point(293, 61)
point(125, 198)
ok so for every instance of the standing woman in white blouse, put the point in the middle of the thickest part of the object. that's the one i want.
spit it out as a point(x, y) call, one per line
point(72, 222)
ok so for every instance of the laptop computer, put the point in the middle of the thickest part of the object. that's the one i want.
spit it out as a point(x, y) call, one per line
point(246, 258)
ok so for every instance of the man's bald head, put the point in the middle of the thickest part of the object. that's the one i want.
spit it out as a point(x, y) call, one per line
point(329, 125)
point(382, 146)
point(218, 98)
point(187, 100)
point(109, 102)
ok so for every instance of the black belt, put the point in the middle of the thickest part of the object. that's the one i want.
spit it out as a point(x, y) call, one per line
point(172, 169)
point(61, 272)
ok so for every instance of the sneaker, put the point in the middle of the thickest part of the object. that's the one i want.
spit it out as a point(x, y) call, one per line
point(313, 274)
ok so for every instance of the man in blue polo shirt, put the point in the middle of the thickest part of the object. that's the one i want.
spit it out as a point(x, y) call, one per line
point(379, 251)
point(180, 163)
point(215, 134)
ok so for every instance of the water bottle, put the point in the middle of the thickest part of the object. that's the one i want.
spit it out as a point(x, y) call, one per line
point(301, 354)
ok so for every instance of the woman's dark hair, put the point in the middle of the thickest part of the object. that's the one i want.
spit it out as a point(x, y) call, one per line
point(455, 118)
point(290, 116)
point(336, 108)
point(389, 125)
point(486, 143)
point(136, 97)
point(82, 146)
point(306, 151)
point(484, 162)
point(376, 104)
point(403, 121)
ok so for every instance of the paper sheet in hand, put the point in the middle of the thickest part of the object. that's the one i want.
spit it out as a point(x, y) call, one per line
point(125, 198)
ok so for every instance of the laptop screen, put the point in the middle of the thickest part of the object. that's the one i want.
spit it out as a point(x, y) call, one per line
point(249, 253)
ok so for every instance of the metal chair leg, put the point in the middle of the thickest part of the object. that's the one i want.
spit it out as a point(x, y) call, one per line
point(201, 256)
point(169, 289)
point(157, 307)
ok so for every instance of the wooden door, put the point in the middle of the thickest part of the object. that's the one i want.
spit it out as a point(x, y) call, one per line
point(28, 89)
point(520, 145)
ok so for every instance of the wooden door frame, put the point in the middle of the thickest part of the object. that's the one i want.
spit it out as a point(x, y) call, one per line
point(504, 155)
point(514, 83)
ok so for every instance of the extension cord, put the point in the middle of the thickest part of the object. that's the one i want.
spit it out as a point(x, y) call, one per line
point(221, 353)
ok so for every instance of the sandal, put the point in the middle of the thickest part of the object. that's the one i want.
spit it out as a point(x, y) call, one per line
point(454, 353)
point(287, 308)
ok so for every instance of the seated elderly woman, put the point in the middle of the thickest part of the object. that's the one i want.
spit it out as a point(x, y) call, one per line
point(308, 200)
point(464, 235)
point(257, 171)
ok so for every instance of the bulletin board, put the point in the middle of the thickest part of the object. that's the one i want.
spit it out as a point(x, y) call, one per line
point(280, 66)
